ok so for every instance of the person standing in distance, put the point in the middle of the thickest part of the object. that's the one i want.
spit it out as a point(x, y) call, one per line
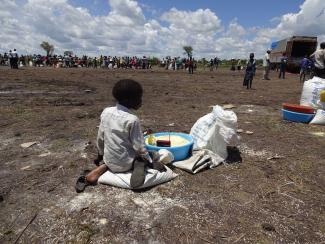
point(283, 66)
point(266, 65)
point(250, 71)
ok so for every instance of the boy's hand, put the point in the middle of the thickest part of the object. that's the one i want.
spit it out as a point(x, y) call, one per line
point(147, 132)
point(154, 155)
point(158, 166)
point(98, 159)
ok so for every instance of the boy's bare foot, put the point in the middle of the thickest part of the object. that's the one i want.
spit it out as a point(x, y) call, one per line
point(159, 166)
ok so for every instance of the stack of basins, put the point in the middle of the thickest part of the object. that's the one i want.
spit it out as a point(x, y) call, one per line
point(297, 113)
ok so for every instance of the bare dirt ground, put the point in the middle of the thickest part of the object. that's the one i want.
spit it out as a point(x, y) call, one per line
point(261, 200)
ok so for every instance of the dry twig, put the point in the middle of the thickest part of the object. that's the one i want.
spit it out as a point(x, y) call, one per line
point(239, 238)
point(149, 228)
point(32, 219)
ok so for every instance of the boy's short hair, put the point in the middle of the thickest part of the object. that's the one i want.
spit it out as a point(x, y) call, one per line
point(322, 45)
point(128, 93)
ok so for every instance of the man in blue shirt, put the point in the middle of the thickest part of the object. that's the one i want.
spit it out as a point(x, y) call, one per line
point(304, 65)
point(283, 66)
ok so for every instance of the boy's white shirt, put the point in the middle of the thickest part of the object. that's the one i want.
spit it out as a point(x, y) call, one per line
point(120, 139)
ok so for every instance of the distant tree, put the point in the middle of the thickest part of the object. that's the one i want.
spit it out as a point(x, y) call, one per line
point(188, 50)
point(68, 53)
point(154, 61)
point(48, 48)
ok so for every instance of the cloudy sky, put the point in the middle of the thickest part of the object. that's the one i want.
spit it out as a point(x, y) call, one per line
point(228, 29)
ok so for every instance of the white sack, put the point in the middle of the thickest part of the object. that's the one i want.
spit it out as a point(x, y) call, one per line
point(122, 180)
point(215, 131)
point(311, 92)
point(198, 161)
point(319, 118)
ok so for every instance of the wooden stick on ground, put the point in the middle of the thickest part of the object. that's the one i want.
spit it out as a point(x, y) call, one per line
point(34, 217)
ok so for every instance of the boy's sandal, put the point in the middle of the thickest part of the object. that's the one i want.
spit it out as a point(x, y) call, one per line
point(82, 182)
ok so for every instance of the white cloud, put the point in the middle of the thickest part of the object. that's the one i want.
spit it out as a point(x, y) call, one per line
point(235, 29)
point(127, 10)
point(126, 31)
point(197, 22)
point(309, 21)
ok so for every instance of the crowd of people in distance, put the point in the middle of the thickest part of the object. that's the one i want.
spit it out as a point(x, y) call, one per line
point(309, 65)
point(178, 63)
point(214, 63)
point(13, 60)
point(71, 61)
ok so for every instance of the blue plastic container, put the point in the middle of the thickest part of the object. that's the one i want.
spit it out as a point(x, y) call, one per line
point(297, 117)
point(181, 152)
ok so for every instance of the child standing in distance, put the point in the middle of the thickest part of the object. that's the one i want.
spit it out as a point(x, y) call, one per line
point(250, 71)
point(304, 64)
point(190, 65)
point(120, 140)
point(266, 65)
point(283, 66)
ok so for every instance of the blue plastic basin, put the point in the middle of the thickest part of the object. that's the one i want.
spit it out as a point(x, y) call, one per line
point(297, 117)
point(180, 152)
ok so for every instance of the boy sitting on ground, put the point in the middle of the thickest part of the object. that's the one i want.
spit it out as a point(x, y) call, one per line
point(120, 140)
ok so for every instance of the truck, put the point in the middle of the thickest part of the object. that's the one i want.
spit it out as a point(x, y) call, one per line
point(295, 48)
